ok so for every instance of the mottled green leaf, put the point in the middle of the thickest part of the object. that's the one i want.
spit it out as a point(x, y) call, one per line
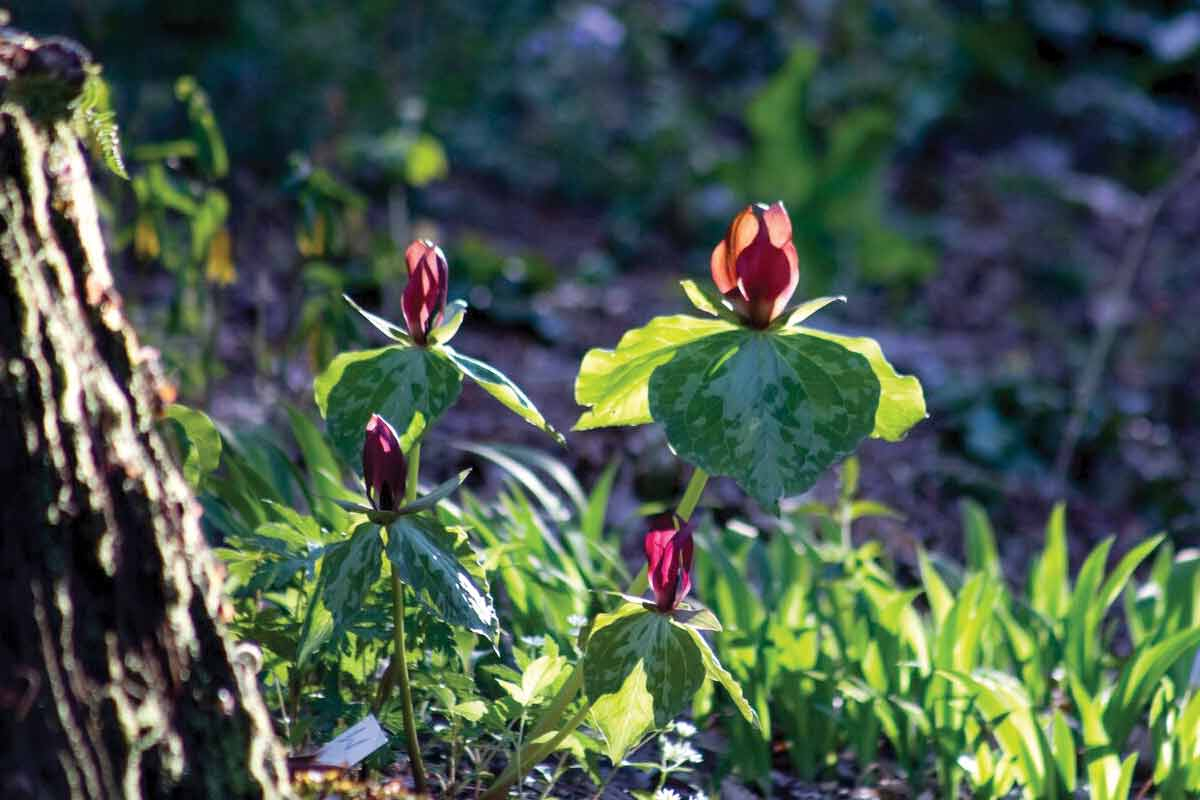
point(615, 383)
point(625, 715)
point(201, 441)
point(901, 399)
point(718, 673)
point(633, 637)
point(771, 411)
point(348, 571)
point(497, 384)
point(428, 557)
point(410, 387)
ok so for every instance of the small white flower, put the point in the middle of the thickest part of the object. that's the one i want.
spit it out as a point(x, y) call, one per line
point(685, 729)
point(533, 641)
point(666, 794)
point(674, 752)
point(700, 795)
point(576, 620)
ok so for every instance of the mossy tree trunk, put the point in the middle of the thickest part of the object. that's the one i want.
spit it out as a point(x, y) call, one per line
point(116, 678)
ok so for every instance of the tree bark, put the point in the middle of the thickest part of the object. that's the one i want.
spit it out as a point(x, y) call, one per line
point(116, 677)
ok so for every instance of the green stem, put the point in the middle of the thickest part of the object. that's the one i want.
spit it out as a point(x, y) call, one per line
point(400, 658)
point(513, 773)
point(691, 495)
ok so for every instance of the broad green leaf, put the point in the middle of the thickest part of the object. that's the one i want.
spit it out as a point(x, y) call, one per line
point(718, 673)
point(349, 570)
point(316, 628)
point(771, 411)
point(981, 542)
point(470, 710)
point(1079, 614)
point(323, 469)
point(901, 399)
point(1006, 704)
point(1049, 588)
point(633, 637)
point(1064, 750)
point(388, 329)
point(410, 387)
point(1102, 760)
point(623, 716)
point(941, 600)
point(536, 679)
point(427, 557)
point(497, 384)
point(1140, 678)
point(202, 442)
point(615, 384)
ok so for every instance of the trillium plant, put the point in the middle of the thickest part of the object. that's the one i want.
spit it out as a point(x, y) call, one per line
point(747, 390)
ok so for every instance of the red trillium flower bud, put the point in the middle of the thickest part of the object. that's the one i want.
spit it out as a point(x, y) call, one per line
point(756, 265)
point(669, 564)
point(424, 299)
point(384, 468)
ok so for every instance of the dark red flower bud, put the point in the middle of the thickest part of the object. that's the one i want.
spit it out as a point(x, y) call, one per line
point(756, 265)
point(424, 299)
point(384, 468)
point(669, 564)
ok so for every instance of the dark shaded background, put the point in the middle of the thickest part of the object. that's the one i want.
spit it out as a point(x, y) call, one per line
point(970, 174)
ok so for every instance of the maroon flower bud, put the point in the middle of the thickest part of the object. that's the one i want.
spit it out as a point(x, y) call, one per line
point(669, 564)
point(424, 299)
point(756, 265)
point(384, 468)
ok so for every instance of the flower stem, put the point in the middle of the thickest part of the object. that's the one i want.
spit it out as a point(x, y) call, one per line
point(400, 658)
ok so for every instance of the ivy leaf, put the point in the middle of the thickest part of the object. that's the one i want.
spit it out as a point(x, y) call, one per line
point(409, 386)
point(201, 442)
point(349, 570)
point(615, 383)
point(428, 557)
point(901, 399)
point(497, 384)
point(771, 411)
point(634, 638)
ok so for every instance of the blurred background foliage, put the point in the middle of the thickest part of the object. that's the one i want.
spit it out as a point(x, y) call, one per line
point(969, 173)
